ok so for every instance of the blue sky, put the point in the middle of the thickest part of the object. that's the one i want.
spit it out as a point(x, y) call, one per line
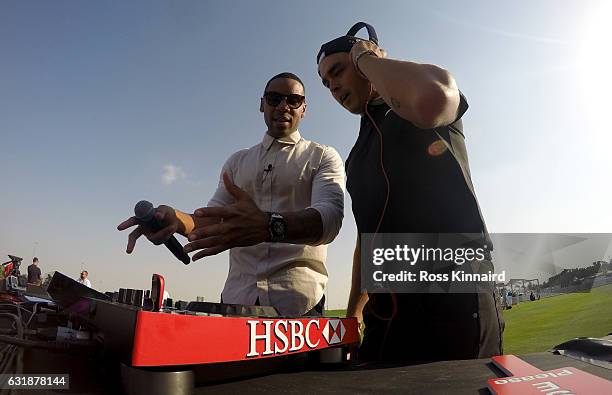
point(106, 103)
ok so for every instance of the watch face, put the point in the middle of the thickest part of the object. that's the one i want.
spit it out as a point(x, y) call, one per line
point(278, 227)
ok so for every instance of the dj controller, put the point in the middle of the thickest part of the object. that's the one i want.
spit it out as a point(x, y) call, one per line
point(168, 347)
point(135, 342)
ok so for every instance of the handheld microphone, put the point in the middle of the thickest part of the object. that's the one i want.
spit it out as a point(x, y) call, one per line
point(144, 212)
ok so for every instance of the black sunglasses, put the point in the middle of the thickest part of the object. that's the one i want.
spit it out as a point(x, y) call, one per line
point(293, 101)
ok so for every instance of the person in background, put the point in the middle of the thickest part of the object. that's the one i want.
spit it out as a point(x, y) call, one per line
point(83, 278)
point(34, 273)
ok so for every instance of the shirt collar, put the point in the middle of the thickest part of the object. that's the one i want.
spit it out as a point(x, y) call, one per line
point(292, 139)
point(377, 101)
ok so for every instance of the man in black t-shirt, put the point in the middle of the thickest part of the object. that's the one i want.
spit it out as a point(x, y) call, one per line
point(408, 173)
point(34, 273)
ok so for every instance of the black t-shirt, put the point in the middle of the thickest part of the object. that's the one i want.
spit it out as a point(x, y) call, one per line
point(428, 190)
point(33, 274)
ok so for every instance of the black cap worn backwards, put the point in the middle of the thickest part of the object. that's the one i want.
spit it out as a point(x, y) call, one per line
point(345, 43)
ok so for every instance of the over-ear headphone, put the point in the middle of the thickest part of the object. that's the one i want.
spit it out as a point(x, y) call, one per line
point(345, 43)
point(360, 25)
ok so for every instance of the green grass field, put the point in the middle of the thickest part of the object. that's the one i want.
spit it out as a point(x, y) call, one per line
point(538, 326)
point(335, 313)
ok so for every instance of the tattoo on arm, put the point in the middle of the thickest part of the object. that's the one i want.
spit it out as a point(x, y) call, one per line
point(395, 103)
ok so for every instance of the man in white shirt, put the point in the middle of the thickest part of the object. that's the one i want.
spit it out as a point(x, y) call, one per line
point(277, 206)
point(83, 279)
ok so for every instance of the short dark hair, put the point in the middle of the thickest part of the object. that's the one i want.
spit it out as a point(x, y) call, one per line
point(35, 259)
point(290, 76)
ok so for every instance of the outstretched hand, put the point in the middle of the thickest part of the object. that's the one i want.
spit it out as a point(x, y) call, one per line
point(165, 216)
point(242, 224)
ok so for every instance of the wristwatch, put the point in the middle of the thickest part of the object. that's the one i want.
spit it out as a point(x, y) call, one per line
point(277, 226)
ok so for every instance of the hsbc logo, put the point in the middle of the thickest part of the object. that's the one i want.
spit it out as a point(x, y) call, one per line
point(284, 336)
point(334, 331)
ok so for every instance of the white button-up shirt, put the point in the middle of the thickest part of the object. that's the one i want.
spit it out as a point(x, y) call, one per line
point(284, 175)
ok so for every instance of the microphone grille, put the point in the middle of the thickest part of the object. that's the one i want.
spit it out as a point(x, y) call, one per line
point(143, 210)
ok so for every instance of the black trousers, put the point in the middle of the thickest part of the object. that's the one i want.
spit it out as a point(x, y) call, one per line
point(316, 311)
point(431, 327)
